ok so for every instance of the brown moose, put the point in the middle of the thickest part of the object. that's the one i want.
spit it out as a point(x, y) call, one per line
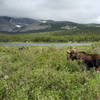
point(90, 60)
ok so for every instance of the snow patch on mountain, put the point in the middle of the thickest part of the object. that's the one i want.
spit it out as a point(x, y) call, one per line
point(18, 26)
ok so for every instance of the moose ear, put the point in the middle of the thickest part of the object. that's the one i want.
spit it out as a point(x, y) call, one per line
point(75, 49)
point(68, 51)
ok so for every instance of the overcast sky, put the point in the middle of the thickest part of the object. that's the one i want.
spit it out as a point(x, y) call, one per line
point(82, 11)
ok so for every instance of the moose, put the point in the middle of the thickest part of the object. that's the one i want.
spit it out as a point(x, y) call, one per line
point(90, 60)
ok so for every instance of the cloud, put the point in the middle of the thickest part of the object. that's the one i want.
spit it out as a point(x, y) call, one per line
point(97, 19)
point(82, 11)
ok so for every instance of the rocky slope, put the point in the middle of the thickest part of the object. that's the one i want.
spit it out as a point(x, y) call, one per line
point(11, 24)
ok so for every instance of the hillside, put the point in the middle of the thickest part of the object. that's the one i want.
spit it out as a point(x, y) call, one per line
point(10, 24)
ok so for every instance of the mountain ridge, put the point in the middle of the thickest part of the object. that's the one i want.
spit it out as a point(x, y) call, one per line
point(13, 24)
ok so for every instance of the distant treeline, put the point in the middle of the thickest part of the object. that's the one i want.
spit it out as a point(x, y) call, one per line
point(54, 36)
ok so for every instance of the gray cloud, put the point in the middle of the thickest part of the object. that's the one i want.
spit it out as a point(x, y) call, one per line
point(82, 11)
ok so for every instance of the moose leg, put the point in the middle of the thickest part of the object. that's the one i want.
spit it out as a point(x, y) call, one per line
point(98, 64)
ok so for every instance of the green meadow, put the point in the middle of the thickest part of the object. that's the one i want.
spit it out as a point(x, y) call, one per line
point(43, 73)
point(53, 36)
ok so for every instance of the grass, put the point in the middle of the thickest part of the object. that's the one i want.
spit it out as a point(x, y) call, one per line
point(43, 73)
point(53, 36)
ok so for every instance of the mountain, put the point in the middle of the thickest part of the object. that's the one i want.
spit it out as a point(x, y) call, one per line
point(11, 24)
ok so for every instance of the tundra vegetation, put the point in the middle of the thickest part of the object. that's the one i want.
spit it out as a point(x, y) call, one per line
point(43, 73)
point(53, 36)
